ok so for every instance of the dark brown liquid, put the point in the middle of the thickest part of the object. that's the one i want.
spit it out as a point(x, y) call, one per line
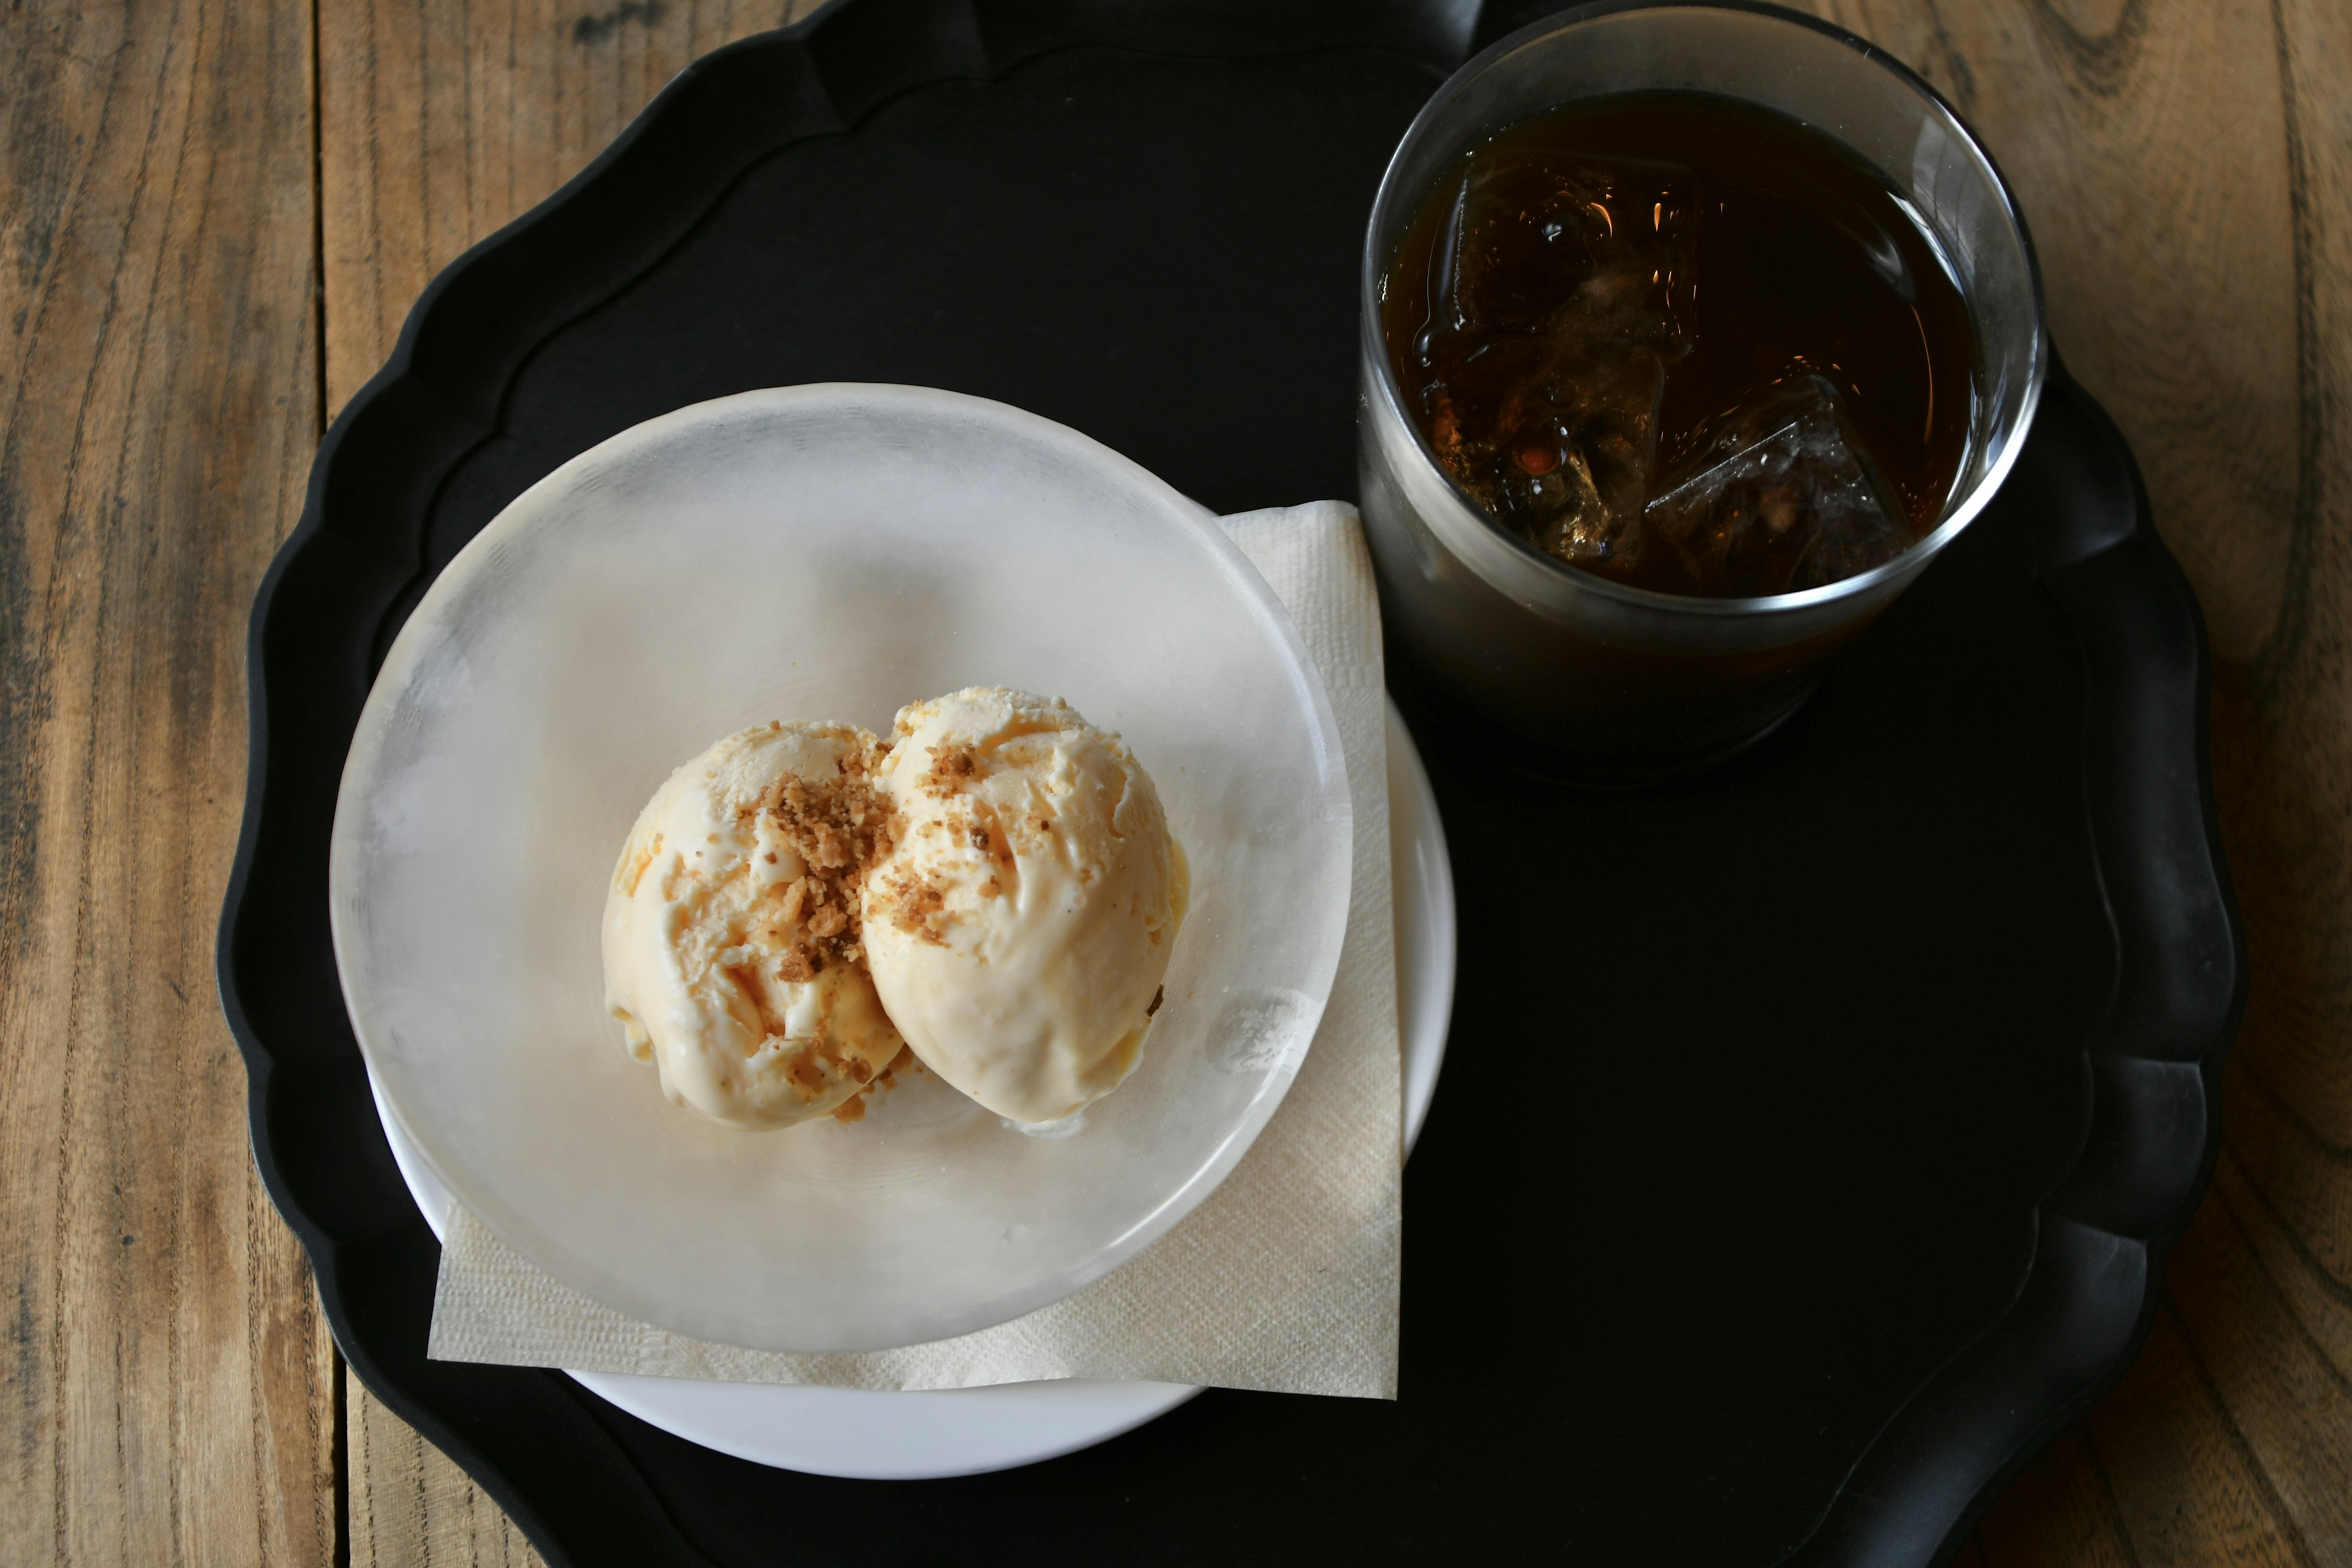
point(1684, 343)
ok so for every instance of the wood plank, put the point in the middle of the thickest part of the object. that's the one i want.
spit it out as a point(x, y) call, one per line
point(440, 122)
point(409, 1504)
point(2284, 760)
point(2189, 1493)
point(2263, 1285)
point(2276, 1340)
point(2062, 1509)
point(2289, 1192)
point(169, 1387)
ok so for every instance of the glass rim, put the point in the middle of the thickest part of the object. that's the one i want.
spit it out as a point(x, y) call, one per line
point(1373, 343)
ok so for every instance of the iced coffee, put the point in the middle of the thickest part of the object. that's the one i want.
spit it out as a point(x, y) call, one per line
point(1684, 343)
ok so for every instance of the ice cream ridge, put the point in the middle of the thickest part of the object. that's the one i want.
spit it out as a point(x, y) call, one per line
point(993, 886)
point(1020, 925)
point(732, 952)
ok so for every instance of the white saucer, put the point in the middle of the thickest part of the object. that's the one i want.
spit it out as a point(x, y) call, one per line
point(869, 1435)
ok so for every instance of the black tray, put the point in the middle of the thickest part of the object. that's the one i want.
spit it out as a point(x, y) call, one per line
point(1814, 1131)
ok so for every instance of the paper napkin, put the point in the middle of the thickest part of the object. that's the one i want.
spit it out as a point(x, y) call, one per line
point(1285, 1277)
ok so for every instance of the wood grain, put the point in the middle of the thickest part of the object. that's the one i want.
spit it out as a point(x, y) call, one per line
point(169, 1387)
point(410, 1504)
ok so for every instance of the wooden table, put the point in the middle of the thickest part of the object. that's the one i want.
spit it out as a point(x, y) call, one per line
point(212, 219)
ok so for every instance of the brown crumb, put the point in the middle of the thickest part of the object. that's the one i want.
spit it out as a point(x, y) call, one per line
point(1157, 997)
point(914, 906)
point(988, 836)
point(854, 1108)
point(841, 829)
point(951, 766)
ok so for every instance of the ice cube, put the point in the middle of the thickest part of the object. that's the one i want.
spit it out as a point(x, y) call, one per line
point(1779, 498)
point(1562, 290)
point(1541, 238)
point(1555, 436)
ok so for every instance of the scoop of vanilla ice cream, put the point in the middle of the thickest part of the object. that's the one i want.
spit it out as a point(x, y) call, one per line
point(732, 931)
point(1019, 926)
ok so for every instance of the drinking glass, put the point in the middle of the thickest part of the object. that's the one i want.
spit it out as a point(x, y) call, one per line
point(1615, 682)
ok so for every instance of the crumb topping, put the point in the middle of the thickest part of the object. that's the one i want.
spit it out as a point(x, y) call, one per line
point(841, 828)
point(915, 902)
point(912, 904)
point(854, 1108)
point(952, 768)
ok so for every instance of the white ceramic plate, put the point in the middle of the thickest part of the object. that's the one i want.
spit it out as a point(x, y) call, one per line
point(825, 551)
point(918, 1436)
